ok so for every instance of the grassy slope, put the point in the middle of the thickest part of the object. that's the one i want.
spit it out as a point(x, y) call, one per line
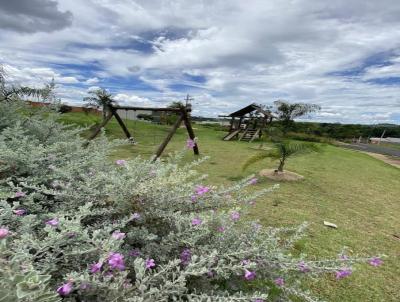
point(358, 193)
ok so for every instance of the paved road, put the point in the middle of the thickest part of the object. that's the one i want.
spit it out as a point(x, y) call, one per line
point(373, 148)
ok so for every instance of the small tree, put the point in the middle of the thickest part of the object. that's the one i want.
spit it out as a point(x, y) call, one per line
point(100, 98)
point(288, 112)
point(282, 151)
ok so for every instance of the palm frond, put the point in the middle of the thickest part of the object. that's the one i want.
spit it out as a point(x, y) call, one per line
point(260, 156)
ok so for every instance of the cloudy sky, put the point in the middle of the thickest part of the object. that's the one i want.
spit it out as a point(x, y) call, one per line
point(342, 54)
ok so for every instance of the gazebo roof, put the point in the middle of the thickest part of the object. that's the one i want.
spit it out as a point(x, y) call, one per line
point(248, 109)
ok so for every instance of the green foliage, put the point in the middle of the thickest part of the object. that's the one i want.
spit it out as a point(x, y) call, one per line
point(46, 171)
point(282, 151)
point(287, 112)
point(100, 98)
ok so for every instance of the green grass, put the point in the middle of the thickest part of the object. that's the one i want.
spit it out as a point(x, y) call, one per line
point(357, 192)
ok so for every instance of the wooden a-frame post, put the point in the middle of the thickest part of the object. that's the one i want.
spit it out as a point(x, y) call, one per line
point(183, 116)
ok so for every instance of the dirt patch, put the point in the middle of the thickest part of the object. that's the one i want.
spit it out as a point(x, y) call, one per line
point(280, 176)
point(395, 162)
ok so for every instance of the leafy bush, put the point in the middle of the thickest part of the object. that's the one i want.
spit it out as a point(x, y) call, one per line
point(309, 138)
point(75, 226)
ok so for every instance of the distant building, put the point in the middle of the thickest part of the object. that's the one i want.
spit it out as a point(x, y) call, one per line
point(391, 140)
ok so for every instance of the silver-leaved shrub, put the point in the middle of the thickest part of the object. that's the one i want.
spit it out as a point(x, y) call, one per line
point(76, 226)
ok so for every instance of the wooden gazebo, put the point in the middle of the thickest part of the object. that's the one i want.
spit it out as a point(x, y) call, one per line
point(248, 123)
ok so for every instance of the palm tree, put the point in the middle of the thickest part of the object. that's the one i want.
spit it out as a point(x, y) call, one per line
point(287, 112)
point(100, 98)
point(282, 151)
point(14, 92)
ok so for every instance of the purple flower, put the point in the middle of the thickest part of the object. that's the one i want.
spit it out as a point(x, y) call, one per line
point(375, 261)
point(193, 198)
point(53, 222)
point(4, 233)
point(344, 257)
point(118, 235)
point(245, 262)
point(120, 162)
point(71, 234)
point(343, 273)
point(19, 212)
point(196, 221)
point(84, 286)
point(96, 267)
point(279, 281)
point(249, 275)
point(258, 300)
point(150, 263)
point(210, 274)
point(116, 261)
point(134, 253)
point(235, 215)
point(20, 194)
point(186, 256)
point(303, 267)
point(253, 181)
point(190, 144)
point(135, 216)
point(221, 229)
point(65, 289)
point(200, 190)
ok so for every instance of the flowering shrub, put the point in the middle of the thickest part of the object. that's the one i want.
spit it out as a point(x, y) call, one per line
point(76, 226)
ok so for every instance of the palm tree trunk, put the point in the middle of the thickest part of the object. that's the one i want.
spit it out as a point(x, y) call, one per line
point(281, 164)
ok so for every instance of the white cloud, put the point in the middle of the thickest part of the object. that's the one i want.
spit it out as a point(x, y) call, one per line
point(246, 51)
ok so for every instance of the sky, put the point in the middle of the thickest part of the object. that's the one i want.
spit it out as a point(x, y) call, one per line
point(343, 55)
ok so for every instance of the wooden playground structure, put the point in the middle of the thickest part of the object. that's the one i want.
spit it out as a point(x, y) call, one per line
point(247, 124)
point(183, 113)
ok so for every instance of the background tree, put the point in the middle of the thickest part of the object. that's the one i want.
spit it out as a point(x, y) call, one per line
point(287, 112)
point(10, 92)
point(282, 151)
point(100, 98)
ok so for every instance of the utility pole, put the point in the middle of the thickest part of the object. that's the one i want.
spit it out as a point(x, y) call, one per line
point(188, 99)
point(383, 133)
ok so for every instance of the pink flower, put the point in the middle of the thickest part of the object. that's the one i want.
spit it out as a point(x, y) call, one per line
point(253, 181)
point(150, 263)
point(190, 144)
point(200, 190)
point(303, 267)
point(135, 216)
point(19, 212)
point(134, 253)
point(20, 194)
point(279, 281)
point(65, 289)
point(375, 261)
point(235, 215)
point(116, 261)
point(196, 221)
point(249, 275)
point(120, 162)
point(4, 233)
point(343, 273)
point(96, 267)
point(118, 235)
point(258, 300)
point(221, 229)
point(53, 222)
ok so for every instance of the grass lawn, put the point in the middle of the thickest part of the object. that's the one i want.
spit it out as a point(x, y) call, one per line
point(353, 190)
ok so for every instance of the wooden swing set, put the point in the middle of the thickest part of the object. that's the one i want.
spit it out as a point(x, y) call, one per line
point(183, 113)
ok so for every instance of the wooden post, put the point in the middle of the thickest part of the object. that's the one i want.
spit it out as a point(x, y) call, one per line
point(189, 129)
point(168, 138)
point(102, 124)
point(121, 123)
